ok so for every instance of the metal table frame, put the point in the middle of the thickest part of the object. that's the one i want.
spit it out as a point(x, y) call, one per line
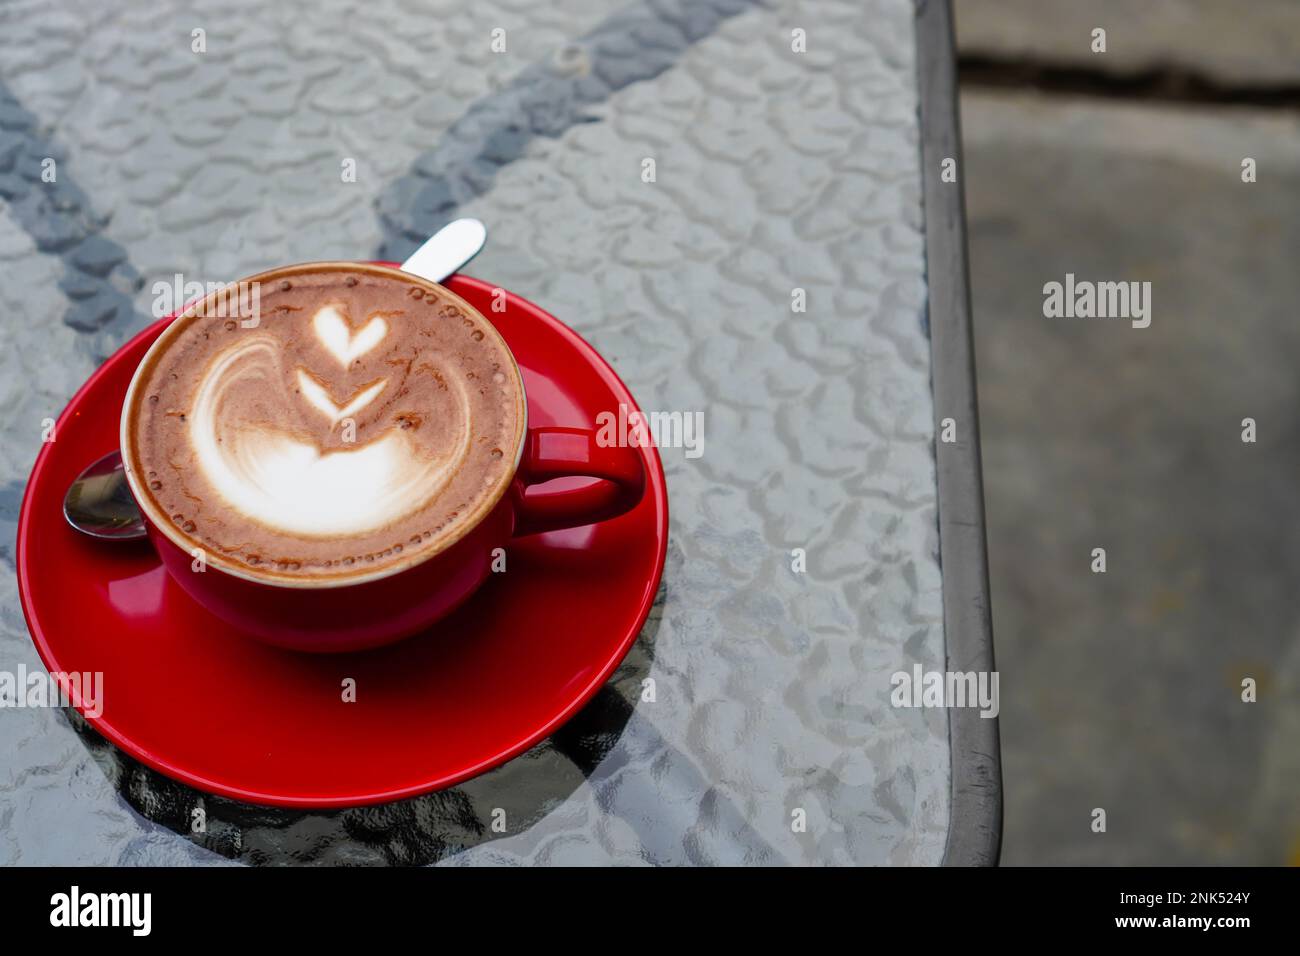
point(975, 809)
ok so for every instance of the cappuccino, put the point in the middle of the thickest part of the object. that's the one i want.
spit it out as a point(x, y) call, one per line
point(363, 420)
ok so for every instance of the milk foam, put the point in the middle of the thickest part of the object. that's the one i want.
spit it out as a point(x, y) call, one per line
point(281, 478)
point(367, 421)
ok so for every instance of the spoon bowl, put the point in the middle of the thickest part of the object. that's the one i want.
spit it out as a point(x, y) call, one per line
point(99, 502)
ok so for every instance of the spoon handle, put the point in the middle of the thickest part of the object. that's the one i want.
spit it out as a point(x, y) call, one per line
point(447, 250)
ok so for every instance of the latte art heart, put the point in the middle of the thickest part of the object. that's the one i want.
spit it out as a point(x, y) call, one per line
point(368, 418)
point(319, 395)
point(344, 344)
point(284, 479)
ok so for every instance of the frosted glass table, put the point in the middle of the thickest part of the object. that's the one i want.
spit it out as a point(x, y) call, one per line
point(793, 269)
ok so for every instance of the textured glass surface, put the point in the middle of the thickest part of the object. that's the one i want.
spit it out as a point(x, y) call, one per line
point(775, 170)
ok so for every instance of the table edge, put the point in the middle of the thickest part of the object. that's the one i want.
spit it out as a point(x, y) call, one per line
point(975, 806)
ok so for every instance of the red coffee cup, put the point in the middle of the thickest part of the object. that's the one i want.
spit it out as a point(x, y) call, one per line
point(331, 615)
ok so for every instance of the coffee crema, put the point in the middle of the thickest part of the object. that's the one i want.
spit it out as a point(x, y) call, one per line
point(362, 420)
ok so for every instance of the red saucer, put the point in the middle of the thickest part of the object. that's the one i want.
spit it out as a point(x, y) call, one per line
point(228, 715)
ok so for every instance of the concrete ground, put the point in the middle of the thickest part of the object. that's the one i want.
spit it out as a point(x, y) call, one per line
point(1252, 45)
point(1122, 690)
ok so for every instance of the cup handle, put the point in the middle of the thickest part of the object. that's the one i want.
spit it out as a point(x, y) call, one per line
point(553, 452)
